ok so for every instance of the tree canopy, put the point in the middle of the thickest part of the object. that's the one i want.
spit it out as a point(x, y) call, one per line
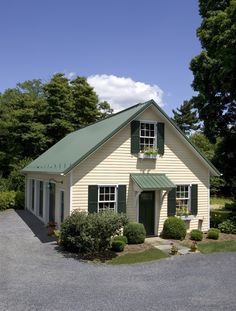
point(214, 69)
point(35, 115)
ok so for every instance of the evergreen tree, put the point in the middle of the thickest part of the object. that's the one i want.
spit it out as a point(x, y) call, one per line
point(186, 117)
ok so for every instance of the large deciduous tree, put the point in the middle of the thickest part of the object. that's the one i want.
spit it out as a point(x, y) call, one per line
point(34, 116)
point(214, 69)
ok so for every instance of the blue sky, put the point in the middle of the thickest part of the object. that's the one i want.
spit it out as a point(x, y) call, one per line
point(150, 42)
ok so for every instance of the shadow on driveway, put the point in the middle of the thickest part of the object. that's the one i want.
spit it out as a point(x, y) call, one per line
point(36, 226)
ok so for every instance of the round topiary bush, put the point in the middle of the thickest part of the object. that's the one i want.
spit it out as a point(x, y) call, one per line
point(213, 233)
point(135, 233)
point(174, 228)
point(122, 238)
point(196, 235)
point(117, 246)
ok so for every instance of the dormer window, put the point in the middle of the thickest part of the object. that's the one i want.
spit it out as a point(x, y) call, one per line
point(147, 136)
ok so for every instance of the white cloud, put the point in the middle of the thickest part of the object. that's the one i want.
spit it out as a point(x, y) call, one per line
point(121, 92)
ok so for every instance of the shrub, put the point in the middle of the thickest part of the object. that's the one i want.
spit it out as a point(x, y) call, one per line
point(213, 233)
point(196, 235)
point(174, 228)
point(90, 233)
point(7, 200)
point(117, 245)
point(4, 184)
point(122, 238)
point(218, 216)
point(135, 233)
point(228, 226)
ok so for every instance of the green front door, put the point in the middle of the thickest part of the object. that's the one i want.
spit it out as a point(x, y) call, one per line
point(147, 211)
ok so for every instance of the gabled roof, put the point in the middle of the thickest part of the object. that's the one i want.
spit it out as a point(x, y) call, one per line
point(62, 157)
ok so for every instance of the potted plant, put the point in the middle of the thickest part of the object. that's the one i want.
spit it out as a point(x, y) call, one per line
point(51, 226)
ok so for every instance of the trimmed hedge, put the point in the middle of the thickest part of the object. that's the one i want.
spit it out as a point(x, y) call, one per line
point(117, 246)
point(196, 235)
point(213, 234)
point(135, 233)
point(122, 238)
point(174, 228)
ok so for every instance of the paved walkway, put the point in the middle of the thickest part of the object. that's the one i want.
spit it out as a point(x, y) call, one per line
point(165, 245)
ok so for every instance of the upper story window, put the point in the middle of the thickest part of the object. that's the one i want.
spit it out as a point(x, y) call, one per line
point(107, 198)
point(147, 136)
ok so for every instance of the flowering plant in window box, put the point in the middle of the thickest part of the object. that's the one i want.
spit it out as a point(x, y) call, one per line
point(149, 153)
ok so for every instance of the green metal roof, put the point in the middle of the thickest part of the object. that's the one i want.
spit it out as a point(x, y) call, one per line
point(150, 181)
point(78, 145)
point(62, 157)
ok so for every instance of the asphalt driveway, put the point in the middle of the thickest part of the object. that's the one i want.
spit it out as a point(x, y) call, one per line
point(35, 276)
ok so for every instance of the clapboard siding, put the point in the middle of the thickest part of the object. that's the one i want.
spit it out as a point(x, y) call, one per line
point(59, 186)
point(113, 163)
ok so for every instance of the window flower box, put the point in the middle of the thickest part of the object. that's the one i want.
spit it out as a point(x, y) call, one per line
point(187, 217)
point(142, 155)
point(148, 153)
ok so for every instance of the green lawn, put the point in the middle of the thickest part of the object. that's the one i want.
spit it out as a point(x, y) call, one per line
point(131, 258)
point(220, 201)
point(226, 246)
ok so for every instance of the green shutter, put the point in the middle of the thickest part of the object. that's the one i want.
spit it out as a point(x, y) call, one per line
point(92, 199)
point(135, 132)
point(121, 199)
point(171, 207)
point(194, 199)
point(160, 137)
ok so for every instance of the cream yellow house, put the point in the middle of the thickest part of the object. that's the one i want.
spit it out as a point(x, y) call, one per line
point(136, 161)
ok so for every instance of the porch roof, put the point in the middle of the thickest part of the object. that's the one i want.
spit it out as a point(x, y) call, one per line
point(147, 181)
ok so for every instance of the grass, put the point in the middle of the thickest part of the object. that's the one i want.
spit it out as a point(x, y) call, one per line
point(226, 246)
point(131, 258)
point(220, 201)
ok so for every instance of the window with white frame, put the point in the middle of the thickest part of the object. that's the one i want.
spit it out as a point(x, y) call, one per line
point(183, 205)
point(147, 136)
point(107, 196)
